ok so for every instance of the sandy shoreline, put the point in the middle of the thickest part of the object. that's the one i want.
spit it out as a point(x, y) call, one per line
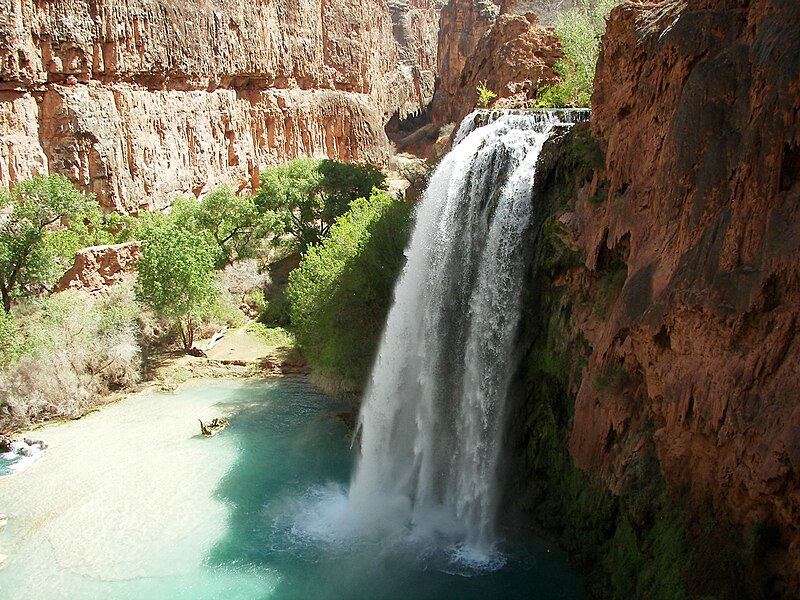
point(240, 354)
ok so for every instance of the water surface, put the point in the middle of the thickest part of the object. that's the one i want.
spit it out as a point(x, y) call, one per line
point(130, 502)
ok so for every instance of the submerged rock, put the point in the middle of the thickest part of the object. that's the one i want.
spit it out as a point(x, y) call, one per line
point(213, 427)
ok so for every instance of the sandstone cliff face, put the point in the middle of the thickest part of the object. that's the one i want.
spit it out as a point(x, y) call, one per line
point(692, 228)
point(481, 42)
point(514, 58)
point(461, 26)
point(139, 101)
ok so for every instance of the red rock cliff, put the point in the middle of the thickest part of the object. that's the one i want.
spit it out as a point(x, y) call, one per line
point(504, 47)
point(141, 100)
point(697, 109)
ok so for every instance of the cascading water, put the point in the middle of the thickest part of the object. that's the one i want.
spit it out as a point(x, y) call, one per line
point(433, 418)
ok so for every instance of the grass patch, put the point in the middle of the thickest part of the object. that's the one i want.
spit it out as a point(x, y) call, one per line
point(274, 337)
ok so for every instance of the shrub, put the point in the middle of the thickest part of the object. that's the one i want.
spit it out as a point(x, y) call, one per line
point(275, 337)
point(244, 278)
point(485, 95)
point(72, 352)
point(579, 31)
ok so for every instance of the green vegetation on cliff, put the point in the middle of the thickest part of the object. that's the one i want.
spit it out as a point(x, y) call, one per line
point(642, 540)
point(632, 544)
point(579, 31)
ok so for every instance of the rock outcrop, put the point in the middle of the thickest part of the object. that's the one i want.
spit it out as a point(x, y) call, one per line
point(482, 42)
point(514, 59)
point(686, 297)
point(462, 24)
point(139, 101)
point(97, 268)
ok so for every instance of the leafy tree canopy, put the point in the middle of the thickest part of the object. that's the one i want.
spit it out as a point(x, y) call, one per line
point(304, 197)
point(233, 222)
point(341, 292)
point(176, 278)
point(30, 246)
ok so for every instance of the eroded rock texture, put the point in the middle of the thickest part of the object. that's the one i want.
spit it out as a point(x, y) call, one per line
point(97, 268)
point(141, 100)
point(503, 46)
point(691, 234)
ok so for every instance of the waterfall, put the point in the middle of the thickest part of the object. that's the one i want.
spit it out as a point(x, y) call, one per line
point(434, 414)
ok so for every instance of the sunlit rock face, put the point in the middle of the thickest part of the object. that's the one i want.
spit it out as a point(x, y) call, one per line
point(97, 268)
point(143, 100)
point(504, 46)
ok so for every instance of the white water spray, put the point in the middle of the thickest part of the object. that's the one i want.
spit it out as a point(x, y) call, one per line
point(433, 418)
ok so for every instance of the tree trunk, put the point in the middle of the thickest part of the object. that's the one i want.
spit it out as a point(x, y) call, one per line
point(187, 333)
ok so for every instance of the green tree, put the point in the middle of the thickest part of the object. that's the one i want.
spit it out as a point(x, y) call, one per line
point(341, 292)
point(304, 197)
point(28, 248)
point(176, 278)
point(579, 30)
point(234, 222)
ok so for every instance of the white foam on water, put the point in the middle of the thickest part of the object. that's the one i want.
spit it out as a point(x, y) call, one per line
point(20, 456)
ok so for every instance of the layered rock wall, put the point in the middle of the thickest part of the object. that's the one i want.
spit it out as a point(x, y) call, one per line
point(140, 100)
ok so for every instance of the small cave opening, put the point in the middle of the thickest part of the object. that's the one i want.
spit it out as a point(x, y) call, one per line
point(397, 128)
point(662, 339)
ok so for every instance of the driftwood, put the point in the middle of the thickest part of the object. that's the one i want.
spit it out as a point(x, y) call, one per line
point(213, 427)
point(215, 338)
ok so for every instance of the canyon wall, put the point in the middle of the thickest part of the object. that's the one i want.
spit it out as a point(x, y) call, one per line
point(500, 45)
point(141, 100)
point(674, 270)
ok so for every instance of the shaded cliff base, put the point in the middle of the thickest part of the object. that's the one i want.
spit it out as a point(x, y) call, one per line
point(635, 535)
